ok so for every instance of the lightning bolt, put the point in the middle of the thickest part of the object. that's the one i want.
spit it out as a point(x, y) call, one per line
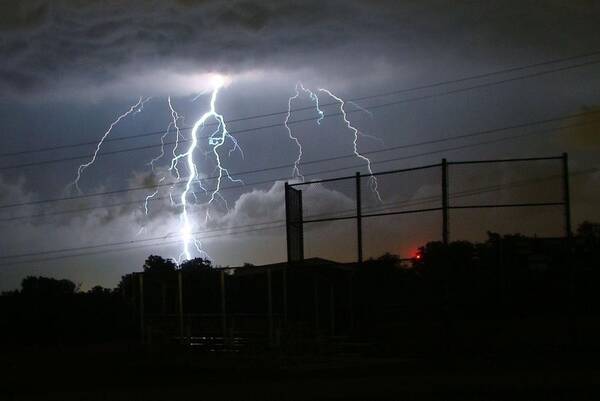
point(216, 144)
point(372, 178)
point(152, 195)
point(162, 147)
point(136, 108)
point(299, 87)
point(216, 140)
point(174, 121)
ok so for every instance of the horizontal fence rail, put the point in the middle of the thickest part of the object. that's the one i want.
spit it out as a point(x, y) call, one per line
point(296, 241)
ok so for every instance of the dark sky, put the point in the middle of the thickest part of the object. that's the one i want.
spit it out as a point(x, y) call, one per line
point(70, 67)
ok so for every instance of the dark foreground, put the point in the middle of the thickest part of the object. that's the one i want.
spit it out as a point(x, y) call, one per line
point(180, 374)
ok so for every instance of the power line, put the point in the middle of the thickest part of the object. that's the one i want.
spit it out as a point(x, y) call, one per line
point(162, 238)
point(413, 202)
point(477, 133)
point(132, 247)
point(385, 94)
point(116, 243)
point(136, 148)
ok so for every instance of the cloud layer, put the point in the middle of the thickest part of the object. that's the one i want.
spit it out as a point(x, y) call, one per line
point(74, 46)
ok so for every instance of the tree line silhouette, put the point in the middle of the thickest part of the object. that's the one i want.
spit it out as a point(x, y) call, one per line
point(531, 285)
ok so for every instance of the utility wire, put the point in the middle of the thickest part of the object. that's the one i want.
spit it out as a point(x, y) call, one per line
point(136, 148)
point(355, 99)
point(385, 94)
point(361, 166)
point(412, 202)
point(104, 251)
point(477, 133)
point(117, 243)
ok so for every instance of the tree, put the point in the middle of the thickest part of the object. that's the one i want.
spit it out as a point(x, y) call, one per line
point(389, 259)
point(99, 291)
point(196, 264)
point(158, 264)
point(589, 232)
point(44, 286)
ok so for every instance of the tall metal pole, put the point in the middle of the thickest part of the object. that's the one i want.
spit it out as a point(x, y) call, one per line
point(445, 233)
point(572, 325)
point(566, 195)
point(287, 220)
point(301, 224)
point(359, 244)
point(446, 326)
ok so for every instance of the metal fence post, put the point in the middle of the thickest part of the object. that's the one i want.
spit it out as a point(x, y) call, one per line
point(572, 324)
point(445, 234)
point(287, 220)
point(566, 195)
point(359, 244)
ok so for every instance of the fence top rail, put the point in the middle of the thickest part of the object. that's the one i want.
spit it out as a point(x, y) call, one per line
point(523, 159)
point(396, 212)
point(500, 205)
point(348, 177)
point(365, 175)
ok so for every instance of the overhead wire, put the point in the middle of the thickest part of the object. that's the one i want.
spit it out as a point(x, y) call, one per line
point(366, 97)
point(412, 202)
point(473, 134)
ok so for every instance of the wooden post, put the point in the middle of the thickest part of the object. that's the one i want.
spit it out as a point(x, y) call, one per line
point(285, 296)
point(316, 301)
point(351, 301)
point(332, 309)
point(163, 288)
point(359, 244)
point(223, 307)
point(141, 308)
point(180, 305)
point(270, 306)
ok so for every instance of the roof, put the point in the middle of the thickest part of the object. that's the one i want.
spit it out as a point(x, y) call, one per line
point(310, 264)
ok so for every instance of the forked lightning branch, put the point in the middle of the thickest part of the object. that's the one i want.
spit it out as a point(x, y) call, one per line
point(217, 147)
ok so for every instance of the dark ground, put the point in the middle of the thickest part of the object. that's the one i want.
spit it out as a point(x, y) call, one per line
point(180, 374)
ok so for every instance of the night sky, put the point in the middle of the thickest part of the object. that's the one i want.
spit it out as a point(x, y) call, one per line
point(69, 68)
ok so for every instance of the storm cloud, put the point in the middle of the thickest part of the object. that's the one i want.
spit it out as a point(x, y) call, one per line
point(70, 67)
point(70, 47)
